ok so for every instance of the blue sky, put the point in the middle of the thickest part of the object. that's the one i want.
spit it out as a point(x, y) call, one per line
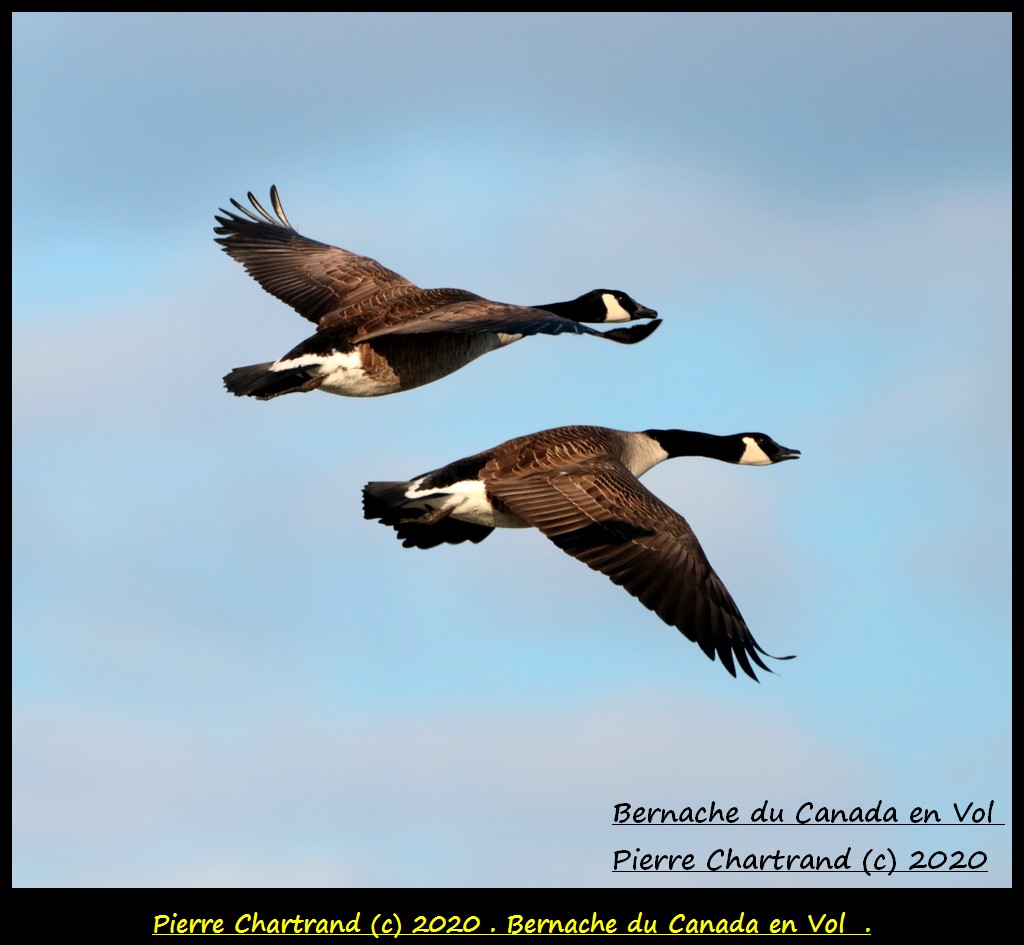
point(224, 676)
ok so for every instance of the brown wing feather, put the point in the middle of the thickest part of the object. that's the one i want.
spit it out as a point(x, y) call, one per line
point(453, 310)
point(314, 278)
point(600, 513)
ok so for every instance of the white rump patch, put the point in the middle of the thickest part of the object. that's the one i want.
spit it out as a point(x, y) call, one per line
point(328, 363)
point(753, 455)
point(466, 500)
point(343, 373)
point(414, 491)
point(613, 311)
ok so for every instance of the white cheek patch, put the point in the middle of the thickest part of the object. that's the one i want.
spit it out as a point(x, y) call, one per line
point(614, 312)
point(753, 455)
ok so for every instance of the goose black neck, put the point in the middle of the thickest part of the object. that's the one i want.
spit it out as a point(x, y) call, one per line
point(689, 443)
point(571, 310)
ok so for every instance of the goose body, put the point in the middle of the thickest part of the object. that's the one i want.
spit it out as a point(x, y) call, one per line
point(378, 333)
point(579, 485)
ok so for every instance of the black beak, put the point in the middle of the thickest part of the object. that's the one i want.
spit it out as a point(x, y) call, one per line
point(785, 453)
point(644, 312)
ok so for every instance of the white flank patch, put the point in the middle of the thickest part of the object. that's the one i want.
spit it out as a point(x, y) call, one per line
point(753, 455)
point(614, 312)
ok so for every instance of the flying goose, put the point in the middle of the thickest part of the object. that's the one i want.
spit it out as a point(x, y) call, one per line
point(378, 333)
point(579, 486)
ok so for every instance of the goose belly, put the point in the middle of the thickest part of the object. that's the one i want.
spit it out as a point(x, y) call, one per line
point(392, 363)
point(413, 360)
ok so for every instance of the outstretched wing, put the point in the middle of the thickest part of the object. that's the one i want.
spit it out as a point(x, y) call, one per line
point(312, 277)
point(453, 310)
point(599, 513)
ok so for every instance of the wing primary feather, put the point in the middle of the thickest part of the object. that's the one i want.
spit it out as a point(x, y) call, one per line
point(245, 210)
point(278, 208)
point(266, 216)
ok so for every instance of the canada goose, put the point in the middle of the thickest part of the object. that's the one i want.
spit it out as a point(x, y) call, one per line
point(377, 333)
point(579, 486)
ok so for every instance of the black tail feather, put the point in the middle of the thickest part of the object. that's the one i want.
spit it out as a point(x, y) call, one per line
point(387, 502)
point(257, 380)
point(384, 500)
